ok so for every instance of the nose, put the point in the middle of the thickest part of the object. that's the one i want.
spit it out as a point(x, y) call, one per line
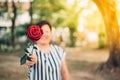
point(43, 33)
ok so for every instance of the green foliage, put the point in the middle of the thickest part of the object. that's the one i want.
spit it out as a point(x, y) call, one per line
point(24, 58)
point(72, 37)
point(26, 50)
point(45, 14)
point(3, 8)
point(57, 5)
point(9, 48)
point(43, 9)
point(49, 10)
point(20, 30)
point(58, 22)
point(26, 55)
point(58, 13)
point(5, 38)
point(5, 42)
point(102, 39)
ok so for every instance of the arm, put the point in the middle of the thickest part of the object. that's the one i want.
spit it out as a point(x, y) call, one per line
point(64, 71)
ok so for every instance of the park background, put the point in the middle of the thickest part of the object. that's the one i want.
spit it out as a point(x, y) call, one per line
point(88, 30)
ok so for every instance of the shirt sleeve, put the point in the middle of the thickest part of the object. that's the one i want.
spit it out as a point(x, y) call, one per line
point(62, 53)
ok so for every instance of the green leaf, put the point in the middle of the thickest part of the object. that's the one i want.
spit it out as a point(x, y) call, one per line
point(26, 50)
point(28, 58)
point(29, 44)
point(34, 47)
point(23, 59)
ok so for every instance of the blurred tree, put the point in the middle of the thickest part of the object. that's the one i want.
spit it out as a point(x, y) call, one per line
point(71, 20)
point(14, 12)
point(3, 7)
point(46, 9)
point(31, 12)
point(59, 14)
point(108, 11)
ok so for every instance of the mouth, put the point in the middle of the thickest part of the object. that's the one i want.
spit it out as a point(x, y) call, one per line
point(43, 38)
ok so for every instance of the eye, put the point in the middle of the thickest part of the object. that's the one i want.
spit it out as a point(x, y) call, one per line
point(46, 31)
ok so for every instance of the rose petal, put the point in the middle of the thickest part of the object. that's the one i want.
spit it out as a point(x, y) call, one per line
point(34, 33)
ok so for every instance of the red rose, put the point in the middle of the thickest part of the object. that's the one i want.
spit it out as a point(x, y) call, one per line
point(34, 33)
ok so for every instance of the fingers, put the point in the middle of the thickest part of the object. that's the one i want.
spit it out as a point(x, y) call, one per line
point(32, 56)
point(29, 63)
point(33, 60)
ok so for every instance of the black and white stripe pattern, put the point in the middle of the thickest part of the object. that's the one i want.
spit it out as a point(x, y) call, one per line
point(48, 65)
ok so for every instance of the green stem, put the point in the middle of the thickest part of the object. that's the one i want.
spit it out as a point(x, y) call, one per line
point(32, 49)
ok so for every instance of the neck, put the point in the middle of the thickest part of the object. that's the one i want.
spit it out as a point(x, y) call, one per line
point(44, 48)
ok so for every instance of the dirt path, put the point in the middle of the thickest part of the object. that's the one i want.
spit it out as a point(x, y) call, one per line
point(88, 55)
point(79, 61)
point(82, 61)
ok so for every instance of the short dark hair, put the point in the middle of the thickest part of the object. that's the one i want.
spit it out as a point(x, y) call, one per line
point(43, 22)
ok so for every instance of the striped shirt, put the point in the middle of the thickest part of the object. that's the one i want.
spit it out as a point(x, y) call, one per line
point(48, 65)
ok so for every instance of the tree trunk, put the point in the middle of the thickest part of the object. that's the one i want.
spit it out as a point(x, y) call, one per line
point(72, 37)
point(13, 24)
point(108, 11)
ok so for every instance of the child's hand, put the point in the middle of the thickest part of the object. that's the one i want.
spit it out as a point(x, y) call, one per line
point(33, 60)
